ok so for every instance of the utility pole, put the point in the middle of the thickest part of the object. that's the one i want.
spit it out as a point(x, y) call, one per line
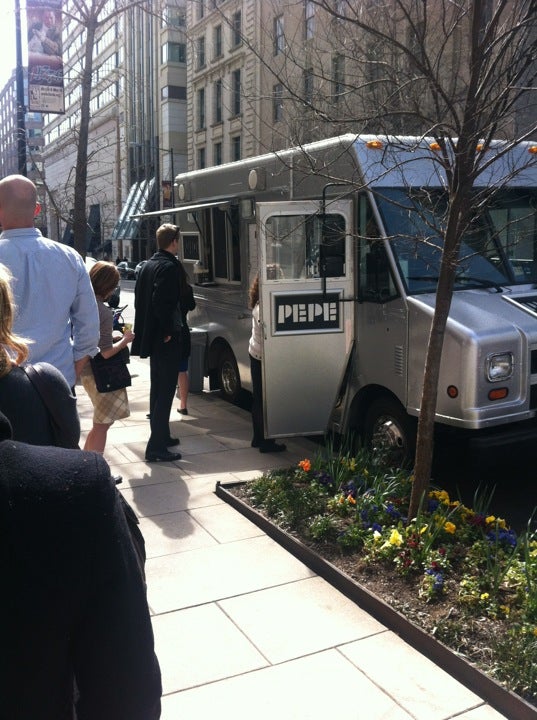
point(21, 109)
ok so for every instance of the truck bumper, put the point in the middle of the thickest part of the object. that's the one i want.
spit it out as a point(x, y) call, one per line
point(505, 438)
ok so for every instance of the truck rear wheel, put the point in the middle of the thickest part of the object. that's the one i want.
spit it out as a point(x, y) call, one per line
point(391, 431)
point(229, 379)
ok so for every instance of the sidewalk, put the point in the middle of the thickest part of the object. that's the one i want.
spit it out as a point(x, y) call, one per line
point(242, 628)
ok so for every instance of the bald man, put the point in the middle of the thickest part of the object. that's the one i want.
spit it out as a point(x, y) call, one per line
point(55, 303)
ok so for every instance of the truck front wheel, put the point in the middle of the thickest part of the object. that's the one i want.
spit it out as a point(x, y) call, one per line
point(228, 376)
point(389, 430)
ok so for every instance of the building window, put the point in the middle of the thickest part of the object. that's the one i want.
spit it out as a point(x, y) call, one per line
point(236, 92)
point(309, 19)
point(340, 8)
point(176, 17)
point(217, 153)
point(174, 52)
point(201, 9)
point(277, 102)
point(201, 109)
point(236, 147)
point(236, 24)
point(217, 41)
point(308, 86)
point(201, 157)
point(201, 52)
point(279, 39)
point(173, 92)
point(338, 76)
point(218, 101)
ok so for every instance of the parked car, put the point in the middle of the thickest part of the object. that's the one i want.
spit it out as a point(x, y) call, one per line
point(138, 268)
point(126, 269)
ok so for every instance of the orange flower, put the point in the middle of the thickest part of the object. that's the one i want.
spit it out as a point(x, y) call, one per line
point(305, 465)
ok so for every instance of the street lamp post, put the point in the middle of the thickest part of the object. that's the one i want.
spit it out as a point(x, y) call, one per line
point(21, 125)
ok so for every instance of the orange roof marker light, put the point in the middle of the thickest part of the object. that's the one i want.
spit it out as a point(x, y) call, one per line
point(481, 147)
point(532, 149)
point(435, 146)
point(374, 144)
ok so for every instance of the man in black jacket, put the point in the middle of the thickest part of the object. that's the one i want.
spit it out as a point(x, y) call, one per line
point(157, 329)
point(74, 621)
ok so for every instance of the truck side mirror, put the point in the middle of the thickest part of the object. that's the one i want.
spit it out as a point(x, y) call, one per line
point(331, 250)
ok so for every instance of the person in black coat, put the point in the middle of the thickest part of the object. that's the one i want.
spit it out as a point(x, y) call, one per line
point(157, 329)
point(74, 621)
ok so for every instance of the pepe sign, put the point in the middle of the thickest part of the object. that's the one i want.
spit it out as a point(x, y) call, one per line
point(307, 312)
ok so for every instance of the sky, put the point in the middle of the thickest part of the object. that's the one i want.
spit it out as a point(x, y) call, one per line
point(7, 40)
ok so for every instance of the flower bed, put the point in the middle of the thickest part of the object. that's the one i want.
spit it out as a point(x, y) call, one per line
point(459, 573)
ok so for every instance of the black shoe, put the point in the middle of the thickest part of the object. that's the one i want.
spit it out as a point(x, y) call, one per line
point(117, 479)
point(183, 411)
point(171, 441)
point(162, 456)
point(255, 443)
point(270, 447)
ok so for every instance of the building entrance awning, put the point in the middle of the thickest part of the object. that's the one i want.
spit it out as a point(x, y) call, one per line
point(139, 199)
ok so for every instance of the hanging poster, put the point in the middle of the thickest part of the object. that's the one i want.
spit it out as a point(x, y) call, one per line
point(45, 62)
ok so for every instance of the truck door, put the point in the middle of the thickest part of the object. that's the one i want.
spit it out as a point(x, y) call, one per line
point(308, 329)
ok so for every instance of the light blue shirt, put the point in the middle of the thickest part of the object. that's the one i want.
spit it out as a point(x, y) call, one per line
point(55, 304)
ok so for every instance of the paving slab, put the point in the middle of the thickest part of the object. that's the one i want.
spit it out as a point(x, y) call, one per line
point(242, 628)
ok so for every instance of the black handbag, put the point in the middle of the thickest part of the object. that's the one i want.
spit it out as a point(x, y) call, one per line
point(110, 373)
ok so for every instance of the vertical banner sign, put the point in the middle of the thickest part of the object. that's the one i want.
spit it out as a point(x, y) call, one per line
point(45, 62)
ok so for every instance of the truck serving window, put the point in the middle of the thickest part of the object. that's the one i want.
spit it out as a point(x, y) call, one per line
point(226, 245)
point(499, 247)
point(293, 244)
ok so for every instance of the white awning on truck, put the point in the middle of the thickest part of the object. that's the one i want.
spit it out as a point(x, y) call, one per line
point(183, 208)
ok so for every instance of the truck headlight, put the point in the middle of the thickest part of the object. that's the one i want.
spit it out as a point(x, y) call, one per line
point(499, 366)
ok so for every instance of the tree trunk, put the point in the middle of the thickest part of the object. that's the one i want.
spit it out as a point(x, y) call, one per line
point(80, 227)
point(456, 223)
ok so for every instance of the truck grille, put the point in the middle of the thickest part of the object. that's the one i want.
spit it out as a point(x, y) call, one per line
point(525, 302)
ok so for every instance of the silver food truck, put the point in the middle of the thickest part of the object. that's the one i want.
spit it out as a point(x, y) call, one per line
point(344, 235)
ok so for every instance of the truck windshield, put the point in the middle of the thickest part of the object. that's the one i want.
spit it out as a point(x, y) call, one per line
point(499, 247)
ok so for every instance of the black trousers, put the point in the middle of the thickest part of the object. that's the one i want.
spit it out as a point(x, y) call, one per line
point(164, 368)
point(257, 400)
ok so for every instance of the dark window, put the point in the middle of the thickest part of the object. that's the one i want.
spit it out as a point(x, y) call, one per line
point(236, 24)
point(236, 92)
point(201, 158)
point(173, 92)
point(277, 102)
point(201, 51)
point(218, 101)
point(217, 153)
point(279, 39)
point(236, 147)
point(338, 75)
point(174, 52)
point(217, 40)
point(309, 19)
point(201, 108)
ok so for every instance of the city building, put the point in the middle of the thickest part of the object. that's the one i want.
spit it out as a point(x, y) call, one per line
point(274, 74)
point(137, 131)
point(33, 145)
